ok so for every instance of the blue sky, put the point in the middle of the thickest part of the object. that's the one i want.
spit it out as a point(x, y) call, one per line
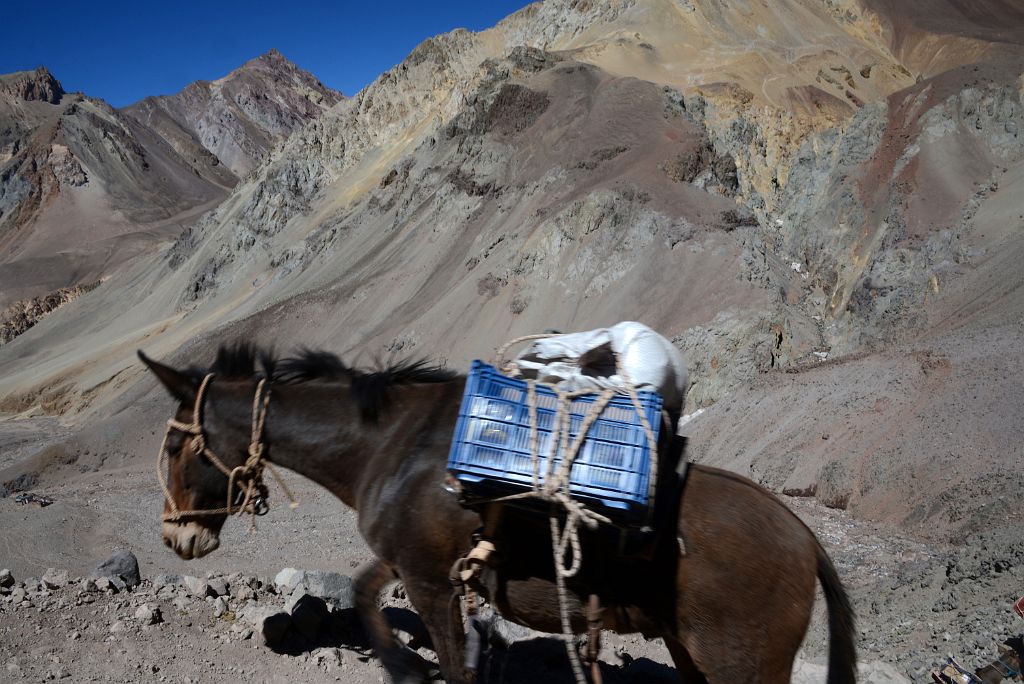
point(122, 52)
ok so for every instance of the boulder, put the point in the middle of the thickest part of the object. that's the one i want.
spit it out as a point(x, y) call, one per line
point(289, 578)
point(217, 586)
point(6, 579)
point(122, 564)
point(332, 586)
point(54, 579)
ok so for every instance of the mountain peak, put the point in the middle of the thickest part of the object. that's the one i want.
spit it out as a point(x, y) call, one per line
point(273, 59)
point(32, 85)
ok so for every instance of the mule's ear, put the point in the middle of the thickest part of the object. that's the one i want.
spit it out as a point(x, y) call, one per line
point(181, 386)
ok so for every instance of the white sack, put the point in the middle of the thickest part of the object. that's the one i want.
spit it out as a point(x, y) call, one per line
point(584, 361)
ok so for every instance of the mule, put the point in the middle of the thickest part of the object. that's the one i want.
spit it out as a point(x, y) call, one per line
point(729, 584)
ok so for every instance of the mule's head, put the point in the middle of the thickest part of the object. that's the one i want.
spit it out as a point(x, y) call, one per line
point(193, 481)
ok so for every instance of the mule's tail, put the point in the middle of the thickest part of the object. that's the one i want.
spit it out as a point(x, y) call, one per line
point(842, 652)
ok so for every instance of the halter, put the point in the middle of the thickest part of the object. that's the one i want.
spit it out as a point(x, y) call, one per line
point(253, 492)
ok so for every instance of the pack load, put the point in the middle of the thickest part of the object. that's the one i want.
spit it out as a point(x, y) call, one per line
point(574, 417)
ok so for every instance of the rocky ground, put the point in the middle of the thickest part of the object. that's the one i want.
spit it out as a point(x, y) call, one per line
point(212, 620)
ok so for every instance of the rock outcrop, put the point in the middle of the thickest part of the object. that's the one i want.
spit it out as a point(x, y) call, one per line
point(38, 85)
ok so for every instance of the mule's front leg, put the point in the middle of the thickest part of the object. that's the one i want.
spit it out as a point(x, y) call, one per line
point(441, 613)
point(396, 660)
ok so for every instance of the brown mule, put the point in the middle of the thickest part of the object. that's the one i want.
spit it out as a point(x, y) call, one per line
point(733, 608)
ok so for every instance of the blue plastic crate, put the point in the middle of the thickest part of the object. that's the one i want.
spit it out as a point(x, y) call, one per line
point(490, 451)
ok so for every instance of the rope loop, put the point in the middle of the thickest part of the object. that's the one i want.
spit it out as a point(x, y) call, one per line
point(566, 549)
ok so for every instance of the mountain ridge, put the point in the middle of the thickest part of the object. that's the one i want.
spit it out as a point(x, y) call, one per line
point(813, 197)
point(75, 173)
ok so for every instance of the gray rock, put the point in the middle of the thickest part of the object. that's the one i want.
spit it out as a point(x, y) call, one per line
point(104, 584)
point(289, 578)
point(18, 595)
point(220, 606)
point(122, 564)
point(308, 614)
point(118, 583)
point(500, 632)
point(58, 671)
point(254, 614)
point(148, 614)
point(88, 585)
point(54, 579)
point(6, 578)
point(217, 587)
point(167, 580)
point(333, 586)
point(181, 603)
point(118, 626)
point(197, 586)
point(327, 656)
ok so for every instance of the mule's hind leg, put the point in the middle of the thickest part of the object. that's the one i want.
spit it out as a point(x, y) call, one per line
point(368, 584)
point(685, 666)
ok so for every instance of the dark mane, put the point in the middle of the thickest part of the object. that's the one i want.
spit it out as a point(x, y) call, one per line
point(370, 389)
point(239, 361)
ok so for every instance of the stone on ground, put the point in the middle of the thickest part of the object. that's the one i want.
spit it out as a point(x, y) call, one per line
point(148, 614)
point(104, 584)
point(6, 579)
point(54, 579)
point(289, 578)
point(218, 587)
point(122, 564)
point(166, 580)
point(197, 586)
point(331, 585)
point(327, 656)
point(220, 606)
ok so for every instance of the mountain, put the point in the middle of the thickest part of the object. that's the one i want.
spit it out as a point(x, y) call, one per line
point(238, 118)
point(815, 201)
point(85, 187)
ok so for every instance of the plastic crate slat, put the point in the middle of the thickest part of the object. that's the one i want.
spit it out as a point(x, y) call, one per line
point(491, 445)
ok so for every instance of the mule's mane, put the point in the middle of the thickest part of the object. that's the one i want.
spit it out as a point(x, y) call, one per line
point(370, 389)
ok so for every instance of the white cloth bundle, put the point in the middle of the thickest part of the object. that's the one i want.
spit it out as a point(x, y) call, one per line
point(586, 360)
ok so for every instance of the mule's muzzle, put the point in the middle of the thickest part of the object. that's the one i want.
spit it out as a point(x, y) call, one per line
point(190, 539)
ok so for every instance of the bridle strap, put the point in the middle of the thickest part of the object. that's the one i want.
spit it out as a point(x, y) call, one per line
point(254, 493)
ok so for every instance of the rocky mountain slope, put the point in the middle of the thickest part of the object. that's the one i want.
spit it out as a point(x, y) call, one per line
point(239, 118)
point(816, 201)
point(85, 187)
